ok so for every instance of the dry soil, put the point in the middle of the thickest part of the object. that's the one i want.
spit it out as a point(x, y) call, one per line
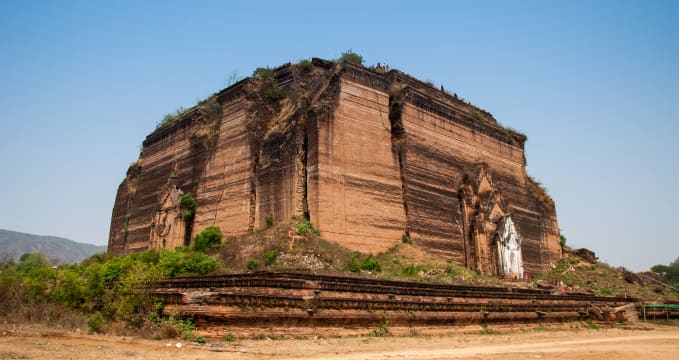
point(640, 342)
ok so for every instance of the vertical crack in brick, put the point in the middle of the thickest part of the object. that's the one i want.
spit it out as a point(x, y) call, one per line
point(253, 189)
point(301, 204)
point(398, 143)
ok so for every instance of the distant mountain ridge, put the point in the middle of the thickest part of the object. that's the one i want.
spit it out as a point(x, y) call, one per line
point(13, 244)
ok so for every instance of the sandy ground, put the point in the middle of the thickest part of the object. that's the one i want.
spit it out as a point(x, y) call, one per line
point(641, 342)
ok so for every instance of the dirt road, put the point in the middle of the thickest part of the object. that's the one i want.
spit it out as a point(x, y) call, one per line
point(651, 343)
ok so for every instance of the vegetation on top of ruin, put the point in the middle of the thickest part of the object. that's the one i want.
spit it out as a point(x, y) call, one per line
point(305, 66)
point(275, 107)
point(510, 130)
point(483, 117)
point(269, 83)
point(170, 118)
point(274, 94)
point(206, 129)
point(539, 191)
point(209, 107)
point(350, 56)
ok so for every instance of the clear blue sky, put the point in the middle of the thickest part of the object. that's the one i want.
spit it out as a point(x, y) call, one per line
point(593, 84)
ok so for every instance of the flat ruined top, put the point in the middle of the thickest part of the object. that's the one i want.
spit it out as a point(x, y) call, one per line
point(419, 93)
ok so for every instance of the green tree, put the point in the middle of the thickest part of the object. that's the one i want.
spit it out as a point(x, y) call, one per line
point(70, 287)
point(36, 274)
point(669, 273)
point(31, 261)
point(175, 263)
point(210, 237)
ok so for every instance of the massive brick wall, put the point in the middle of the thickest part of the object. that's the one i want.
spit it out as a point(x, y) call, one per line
point(174, 161)
point(356, 199)
point(439, 155)
point(368, 156)
point(168, 161)
point(225, 188)
point(280, 180)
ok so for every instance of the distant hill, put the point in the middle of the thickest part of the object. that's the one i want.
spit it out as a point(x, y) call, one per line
point(64, 251)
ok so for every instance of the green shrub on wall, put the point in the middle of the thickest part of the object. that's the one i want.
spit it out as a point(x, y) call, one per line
point(188, 206)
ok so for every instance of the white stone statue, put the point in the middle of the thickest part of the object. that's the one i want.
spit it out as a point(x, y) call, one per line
point(510, 260)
